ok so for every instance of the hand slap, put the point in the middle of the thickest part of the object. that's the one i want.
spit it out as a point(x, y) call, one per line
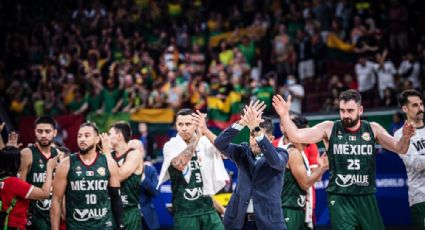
point(408, 129)
point(280, 105)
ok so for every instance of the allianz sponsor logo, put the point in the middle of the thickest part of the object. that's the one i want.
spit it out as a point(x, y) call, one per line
point(82, 215)
point(351, 179)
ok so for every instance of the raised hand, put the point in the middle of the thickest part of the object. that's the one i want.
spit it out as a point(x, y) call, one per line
point(408, 130)
point(53, 162)
point(252, 117)
point(280, 105)
point(199, 119)
point(106, 145)
point(13, 140)
point(196, 136)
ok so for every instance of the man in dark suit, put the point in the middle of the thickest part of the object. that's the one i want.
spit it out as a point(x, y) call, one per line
point(149, 192)
point(255, 204)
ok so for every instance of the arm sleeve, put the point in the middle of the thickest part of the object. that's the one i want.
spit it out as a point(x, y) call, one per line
point(230, 150)
point(150, 182)
point(276, 157)
point(116, 205)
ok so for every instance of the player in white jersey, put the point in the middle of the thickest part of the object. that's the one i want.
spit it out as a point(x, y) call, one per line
point(411, 103)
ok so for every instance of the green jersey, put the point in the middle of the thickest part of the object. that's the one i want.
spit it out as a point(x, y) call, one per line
point(352, 160)
point(88, 205)
point(188, 198)
point(130, 187)
point(36, 176)
point(293, 196)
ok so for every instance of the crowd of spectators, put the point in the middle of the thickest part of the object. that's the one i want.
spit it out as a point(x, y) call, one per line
point(79, 57)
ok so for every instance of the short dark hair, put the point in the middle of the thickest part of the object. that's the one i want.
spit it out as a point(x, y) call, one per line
point(404, 96)
point(45, 120)
point(267, 125)
point(351, 94)
point(10, 161)
point(90, 124)
point(124, 128)
point(300, 121)
point(184, 112)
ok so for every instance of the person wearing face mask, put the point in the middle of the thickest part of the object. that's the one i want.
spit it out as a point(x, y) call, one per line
point(411, 103)
point(296, 91)
point(255, 203)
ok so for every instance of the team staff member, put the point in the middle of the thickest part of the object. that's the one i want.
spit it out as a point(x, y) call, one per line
point(255, 204)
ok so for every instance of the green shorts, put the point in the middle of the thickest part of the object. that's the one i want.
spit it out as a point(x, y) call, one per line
point(294, 218)
point(208, 221)
point(131, 218)
point(417, 212)
point(354, 212)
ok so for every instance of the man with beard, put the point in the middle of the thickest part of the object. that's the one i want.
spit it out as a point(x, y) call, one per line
point(350, 144)
point(411, 103)
point(33, 169)
point(91, 183)
point(130, 163)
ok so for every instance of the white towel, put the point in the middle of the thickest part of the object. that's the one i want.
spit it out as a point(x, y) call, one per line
point(309, 200)
point(214, 175)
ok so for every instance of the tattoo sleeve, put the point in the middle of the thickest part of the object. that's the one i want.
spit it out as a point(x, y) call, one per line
point(180, 161)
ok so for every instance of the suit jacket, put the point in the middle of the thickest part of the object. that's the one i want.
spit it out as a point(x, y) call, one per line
point(262, 181)
point(149, 192)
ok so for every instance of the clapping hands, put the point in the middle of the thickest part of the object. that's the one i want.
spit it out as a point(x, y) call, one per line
point(252, 116)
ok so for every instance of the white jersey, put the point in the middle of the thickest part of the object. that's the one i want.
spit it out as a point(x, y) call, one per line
point(414, 160)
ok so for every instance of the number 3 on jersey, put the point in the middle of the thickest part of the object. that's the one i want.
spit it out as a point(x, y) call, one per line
point(353, 164)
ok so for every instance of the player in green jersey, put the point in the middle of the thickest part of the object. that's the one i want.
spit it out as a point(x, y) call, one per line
point(91, 183)
point(130, 163)
point(350, 144)
point(192, 207)
point(33, 169)
point(298, 179)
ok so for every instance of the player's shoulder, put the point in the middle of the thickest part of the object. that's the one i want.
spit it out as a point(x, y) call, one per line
point(26, 150)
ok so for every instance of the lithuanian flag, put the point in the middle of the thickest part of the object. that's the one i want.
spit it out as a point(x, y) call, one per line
point(221, 113)
point(339, 50)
